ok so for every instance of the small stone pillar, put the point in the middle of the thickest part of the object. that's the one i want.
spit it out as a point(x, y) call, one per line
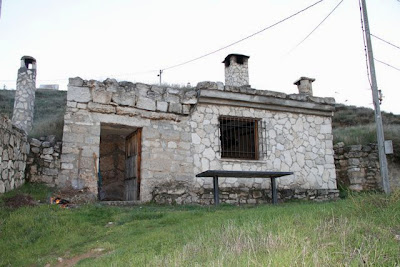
point(236, 70)
point(304, 84)
point(25, 94)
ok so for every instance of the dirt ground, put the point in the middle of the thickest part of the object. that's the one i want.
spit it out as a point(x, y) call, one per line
point(20, 200)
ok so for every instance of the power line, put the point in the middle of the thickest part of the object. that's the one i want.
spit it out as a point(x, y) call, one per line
point(333, 10)
point(386, 64)
point(389, 43)
point(96, 77)
point(245, 38)
point(224, 47)
point(364, 41)
point(130, 74)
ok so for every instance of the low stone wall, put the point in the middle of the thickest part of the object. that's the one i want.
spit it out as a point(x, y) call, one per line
point(178, 194)
point(357, 167)
point(14, 148)
point(43, 164)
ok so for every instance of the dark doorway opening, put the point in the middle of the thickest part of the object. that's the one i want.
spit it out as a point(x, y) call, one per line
point(119, 163)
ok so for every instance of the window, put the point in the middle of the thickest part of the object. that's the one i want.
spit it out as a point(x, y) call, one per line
point(239, 138)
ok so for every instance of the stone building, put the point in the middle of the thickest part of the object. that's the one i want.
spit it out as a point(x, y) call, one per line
point(133, 141)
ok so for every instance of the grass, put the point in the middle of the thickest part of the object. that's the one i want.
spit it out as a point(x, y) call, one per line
point(359, 230)
point(365, 134)
point(354, 116)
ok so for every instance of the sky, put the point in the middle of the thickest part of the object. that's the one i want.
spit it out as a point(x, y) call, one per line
point(132, 40)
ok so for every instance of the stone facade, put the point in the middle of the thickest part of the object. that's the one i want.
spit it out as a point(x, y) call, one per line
point(43, 164)
point(13, 154)
point(181, 137)
point(236, 70)
point(293, 142)
point(25, 94)
point(357, 168)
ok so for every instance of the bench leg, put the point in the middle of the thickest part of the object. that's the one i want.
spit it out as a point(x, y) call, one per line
point(274, 193)
point(216, 190)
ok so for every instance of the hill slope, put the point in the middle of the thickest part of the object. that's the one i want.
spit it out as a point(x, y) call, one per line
point(346, 116)
point(49, 111)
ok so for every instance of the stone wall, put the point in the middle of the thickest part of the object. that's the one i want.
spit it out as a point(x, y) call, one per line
point(14, 148)
point(293, 142)
point(43, 164)
point(357, 168)
point(157, 110)
point(180, 138)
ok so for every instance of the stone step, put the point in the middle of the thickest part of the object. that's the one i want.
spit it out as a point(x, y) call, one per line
point(121, 203)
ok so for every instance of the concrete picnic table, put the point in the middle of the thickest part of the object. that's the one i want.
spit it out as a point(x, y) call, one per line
point(243, 174)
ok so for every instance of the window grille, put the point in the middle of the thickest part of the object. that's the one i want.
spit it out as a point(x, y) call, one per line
point(241, 138)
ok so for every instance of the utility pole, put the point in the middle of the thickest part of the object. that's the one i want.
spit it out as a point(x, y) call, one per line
point(375, 97)
point(159, 75)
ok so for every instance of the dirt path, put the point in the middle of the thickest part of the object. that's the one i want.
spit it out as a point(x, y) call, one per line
point(95, 253)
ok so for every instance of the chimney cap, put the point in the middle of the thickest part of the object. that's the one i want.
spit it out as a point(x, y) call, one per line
point(28, 59)
point(297, 82)
point(228, 57)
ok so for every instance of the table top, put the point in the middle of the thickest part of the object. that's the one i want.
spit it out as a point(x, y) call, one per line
point(243, 174)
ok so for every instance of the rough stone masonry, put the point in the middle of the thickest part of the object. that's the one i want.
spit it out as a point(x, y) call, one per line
point(25, 94)
point(181, 136)
point(14, 149)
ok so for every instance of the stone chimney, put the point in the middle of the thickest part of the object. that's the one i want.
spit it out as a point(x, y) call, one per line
point(236, 70)
point(304, 84)
point(25, 94)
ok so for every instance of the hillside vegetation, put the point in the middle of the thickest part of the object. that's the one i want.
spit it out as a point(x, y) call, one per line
point(356, 125)
point(346, 116)
point(49, 111)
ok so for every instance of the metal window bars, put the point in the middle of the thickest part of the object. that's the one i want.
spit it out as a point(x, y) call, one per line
point(241, 138)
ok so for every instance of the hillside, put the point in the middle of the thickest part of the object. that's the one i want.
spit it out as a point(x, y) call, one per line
point(356, 125)
point(346, 116)
point(49, 111)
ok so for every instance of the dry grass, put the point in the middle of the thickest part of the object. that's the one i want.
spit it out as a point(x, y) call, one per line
point(365, 134)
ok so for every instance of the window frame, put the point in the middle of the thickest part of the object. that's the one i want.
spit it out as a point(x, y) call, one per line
point(256, 137)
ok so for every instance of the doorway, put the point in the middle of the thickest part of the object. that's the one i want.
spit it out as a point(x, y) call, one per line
point(119, 163)
point(132, 165)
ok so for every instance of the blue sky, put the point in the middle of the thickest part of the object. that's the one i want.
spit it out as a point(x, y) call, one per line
point(122, 39)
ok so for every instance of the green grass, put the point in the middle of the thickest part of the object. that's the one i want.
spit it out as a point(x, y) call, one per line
point(359, 230)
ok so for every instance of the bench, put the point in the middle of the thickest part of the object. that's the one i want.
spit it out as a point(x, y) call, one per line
point(243, 174)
